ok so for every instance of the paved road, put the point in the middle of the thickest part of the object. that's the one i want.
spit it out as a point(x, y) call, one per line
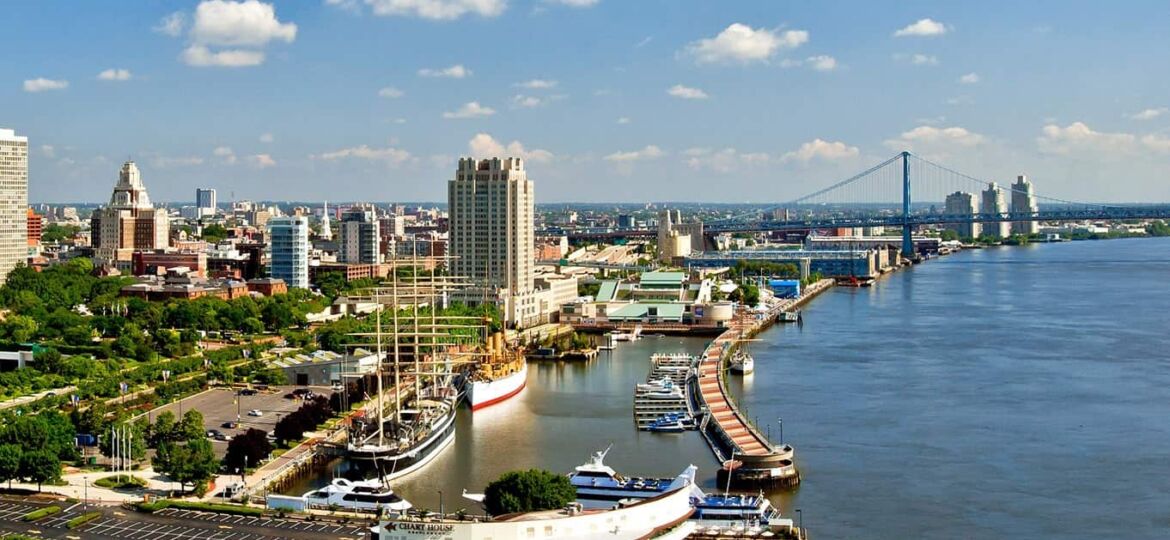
point(169, 524)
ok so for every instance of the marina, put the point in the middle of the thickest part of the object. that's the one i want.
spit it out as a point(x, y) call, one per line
point(663, 398)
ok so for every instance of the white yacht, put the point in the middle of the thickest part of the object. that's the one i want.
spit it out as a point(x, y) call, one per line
point(742, 362)
point(360, 495)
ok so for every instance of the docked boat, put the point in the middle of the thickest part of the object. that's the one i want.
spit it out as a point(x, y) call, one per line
point(672, 423)
point(598, 486)
point(663, 513)
point(634, 335)
point(410, 441)
point(742, 362)
point(673, 392)
point(357, 495)
point(502, 375)
point(657, 384)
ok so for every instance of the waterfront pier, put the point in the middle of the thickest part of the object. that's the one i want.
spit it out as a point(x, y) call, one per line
point(748, 457)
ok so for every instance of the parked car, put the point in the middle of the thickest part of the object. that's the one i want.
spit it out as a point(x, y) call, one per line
point(248, 392)
point(229, 424)
point(255, 412)
point(214, 433)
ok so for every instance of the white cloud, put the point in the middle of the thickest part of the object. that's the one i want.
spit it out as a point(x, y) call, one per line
point(266, 138)
point(970, 78)
point(456, 71)
point(1149, 114)
point(48, 151)
point(200, 56)
point(391, 155)
point(40, 84)
point(649, 152)
point(742, 43)
point(471, 109)
point(686, 92)
point(225, 153)
point(228, 33)
point(537, 84)
point(919, 59)
point(249, 23)
point(1156, 142)
point(644, 42)
point(1078, 137)
point(822, 150)
point(923, 27)
point(171, 25)
point(484, 145)
point(623, 120)
point(115, 75)
point(822, 62)
point(437, 9)
point(526, 102)
point(934, 137)
point(390, 92)
point(261, 161)
point(574, 3)
point(164, 162)
point(723, 161)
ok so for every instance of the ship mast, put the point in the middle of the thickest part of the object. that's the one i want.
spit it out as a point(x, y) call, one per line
point(397, 369)
point(378, 337)
point(414, 319)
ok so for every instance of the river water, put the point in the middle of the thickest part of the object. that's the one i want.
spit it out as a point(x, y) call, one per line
point(1009, 391)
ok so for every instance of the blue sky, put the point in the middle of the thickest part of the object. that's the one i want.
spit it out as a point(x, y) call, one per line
point(638, 100)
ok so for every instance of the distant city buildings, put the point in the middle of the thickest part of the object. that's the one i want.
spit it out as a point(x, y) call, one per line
point(288, 250)
point(14, 240)
point(129, 223)
point(995, 204)
point(491, 229)
point(961, 203)
point(1024, 202)
point(676, 238)
point(36, 226)
point(326, 227)
point(359, 236)
point(205, 202)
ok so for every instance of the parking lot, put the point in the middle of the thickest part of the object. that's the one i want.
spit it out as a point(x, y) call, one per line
point(219, 408)
point(170, 524)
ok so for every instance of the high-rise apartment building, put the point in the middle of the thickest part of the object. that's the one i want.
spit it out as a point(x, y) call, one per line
point(13, 201)
point(491, 229)
point(130, 222)
point(288, 250)
point(36, 227)
point(205, 202)
point(994, 203)
point(1024, 202)
point(359, 236)
point(963, 204)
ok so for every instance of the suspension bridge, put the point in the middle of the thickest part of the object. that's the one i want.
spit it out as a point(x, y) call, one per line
point(908, 191)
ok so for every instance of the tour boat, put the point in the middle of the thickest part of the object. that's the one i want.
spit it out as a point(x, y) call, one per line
point(598, 486)
point(359, 495)
point(734, 509)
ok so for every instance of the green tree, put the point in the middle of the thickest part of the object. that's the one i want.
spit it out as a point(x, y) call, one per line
point(526, 491)
point(19, 328)
point(10, 455)
point(192, 425)
point(39, 466)
point(193, 462)
point(247, 450)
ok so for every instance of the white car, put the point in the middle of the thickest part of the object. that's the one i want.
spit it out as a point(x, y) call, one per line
point(255, 412)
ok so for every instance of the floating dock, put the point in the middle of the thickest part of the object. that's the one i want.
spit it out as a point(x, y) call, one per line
point(678, 368)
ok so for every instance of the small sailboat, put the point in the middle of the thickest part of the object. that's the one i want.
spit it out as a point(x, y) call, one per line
point(742, 361)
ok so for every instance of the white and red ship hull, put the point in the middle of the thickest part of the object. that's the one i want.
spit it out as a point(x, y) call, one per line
point(482, 394)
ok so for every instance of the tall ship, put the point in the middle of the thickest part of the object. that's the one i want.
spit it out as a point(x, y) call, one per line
point(501, 374)
point(421, 351)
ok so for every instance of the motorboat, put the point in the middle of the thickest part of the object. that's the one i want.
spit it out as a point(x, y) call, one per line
point(358, 495)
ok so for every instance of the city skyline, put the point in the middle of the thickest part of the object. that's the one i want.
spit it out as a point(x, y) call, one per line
point(657, 103)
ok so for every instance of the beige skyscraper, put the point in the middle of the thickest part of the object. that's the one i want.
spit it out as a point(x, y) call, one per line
point(963, 204)
point(130, 222)
point(13, 201)
point(1024, 202)
point(491, 228)
point(994, 203)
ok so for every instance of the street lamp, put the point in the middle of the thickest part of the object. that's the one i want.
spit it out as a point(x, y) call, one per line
point(799, 524)
point(781, 421)
point(440, 505)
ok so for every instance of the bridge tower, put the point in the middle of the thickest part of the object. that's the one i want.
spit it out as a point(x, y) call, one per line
point(907, 240)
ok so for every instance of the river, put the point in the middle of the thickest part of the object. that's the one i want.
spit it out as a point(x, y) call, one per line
point(1019, 391)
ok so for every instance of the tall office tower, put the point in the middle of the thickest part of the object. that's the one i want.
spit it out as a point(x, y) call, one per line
point(130, 222)
point(1024, 202)
point(205, 202)
point(359, 236)
point(491, 224)
point(963, 204)
point(13, 201)
point(993, 203)
point(326, 227)
point(288, 250)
